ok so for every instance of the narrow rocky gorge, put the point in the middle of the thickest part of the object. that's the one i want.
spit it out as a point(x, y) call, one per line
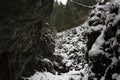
point(69, 63)
point(28, 51)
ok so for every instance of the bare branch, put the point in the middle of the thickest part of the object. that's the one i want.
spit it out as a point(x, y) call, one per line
point(83, 5)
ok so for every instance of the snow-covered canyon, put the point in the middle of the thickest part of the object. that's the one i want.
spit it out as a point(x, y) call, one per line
point(70, 45)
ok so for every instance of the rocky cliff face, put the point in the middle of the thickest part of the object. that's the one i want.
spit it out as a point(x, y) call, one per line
point(103, 44)
point(24, 35)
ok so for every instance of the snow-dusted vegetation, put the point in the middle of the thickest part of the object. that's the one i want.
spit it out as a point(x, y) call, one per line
point(103, 44)
point(70, 45)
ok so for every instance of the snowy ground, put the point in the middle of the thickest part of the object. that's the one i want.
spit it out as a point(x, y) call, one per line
point(71, 45)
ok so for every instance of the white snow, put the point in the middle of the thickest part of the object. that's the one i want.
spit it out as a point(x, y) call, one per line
point(115, 75)
point(118, 78)
point(75, 75)
point(63, 1)
point(96, 48)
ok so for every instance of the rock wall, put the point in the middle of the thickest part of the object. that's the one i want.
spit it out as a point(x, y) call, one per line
point(103, 45)
point(24, 35)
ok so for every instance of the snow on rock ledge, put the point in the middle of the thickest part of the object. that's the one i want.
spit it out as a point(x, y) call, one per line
point(103, 45)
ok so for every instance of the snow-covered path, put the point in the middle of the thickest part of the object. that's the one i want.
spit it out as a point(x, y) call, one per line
point(70, 44)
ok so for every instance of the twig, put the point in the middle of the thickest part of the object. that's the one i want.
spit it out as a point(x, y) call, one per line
point(86, 6)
